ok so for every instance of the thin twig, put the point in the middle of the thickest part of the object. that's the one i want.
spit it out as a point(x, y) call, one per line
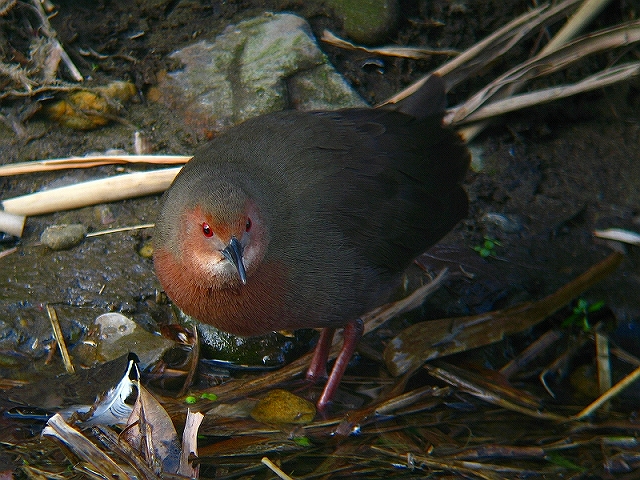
point(603, 361)
point(37, 91)
point(466, 385)
point(463, 468)
point(51, 34)
point(8, 252)
point(531, 352)
point(120, 229)
point(275, 469)
point(62, 345)
point(608, 395)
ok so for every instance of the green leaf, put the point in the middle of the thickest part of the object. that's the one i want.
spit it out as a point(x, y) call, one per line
point(558, 459)
point(302, 441)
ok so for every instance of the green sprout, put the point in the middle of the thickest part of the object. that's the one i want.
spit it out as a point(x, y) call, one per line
point(302, 441)
point(192, 399)
point(580, 315)
point(557, 459)
point(487, 249)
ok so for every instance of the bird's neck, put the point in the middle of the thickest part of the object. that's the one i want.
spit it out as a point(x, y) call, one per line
point(255, 308)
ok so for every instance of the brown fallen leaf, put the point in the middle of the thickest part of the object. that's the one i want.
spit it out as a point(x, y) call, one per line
point(151, 433)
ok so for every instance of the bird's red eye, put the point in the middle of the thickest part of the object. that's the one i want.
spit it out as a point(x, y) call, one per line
point(247, 227)
point(206, 230)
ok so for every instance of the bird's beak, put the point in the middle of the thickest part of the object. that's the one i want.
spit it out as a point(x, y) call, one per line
point(233, 253)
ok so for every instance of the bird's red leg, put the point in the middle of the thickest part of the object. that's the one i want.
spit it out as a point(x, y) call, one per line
point(351, 334)
point(318, 366)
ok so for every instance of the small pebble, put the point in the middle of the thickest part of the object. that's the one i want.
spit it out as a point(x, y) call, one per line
point(505, 222)
point(104, 215)
point(61, 237)
point(146, 251)
point(280, 406)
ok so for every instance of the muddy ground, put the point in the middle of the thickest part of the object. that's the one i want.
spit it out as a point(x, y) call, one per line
point(555, 173)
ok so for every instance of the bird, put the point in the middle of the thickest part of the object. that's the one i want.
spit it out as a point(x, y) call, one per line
point(298, 219)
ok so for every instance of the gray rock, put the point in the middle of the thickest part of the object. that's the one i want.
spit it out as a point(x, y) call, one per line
point(259, 65)
point(118, 335)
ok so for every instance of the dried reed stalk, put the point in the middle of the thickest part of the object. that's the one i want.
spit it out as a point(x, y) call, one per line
point(108, 189)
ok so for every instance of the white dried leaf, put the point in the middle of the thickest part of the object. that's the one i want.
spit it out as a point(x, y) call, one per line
point(17, 74)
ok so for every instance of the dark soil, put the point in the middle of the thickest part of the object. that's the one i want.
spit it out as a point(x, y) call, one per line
point(556, 172)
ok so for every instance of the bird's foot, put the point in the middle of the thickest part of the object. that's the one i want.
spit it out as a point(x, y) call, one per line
point(318, 366)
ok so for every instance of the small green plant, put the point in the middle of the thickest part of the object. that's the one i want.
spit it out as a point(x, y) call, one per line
point(192, 399)
point(302, 441)
point(487, 249)
point(580, 315)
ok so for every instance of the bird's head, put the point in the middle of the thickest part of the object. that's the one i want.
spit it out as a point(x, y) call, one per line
point(216, 233)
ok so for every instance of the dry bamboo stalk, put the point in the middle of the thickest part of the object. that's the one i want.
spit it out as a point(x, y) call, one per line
point(504, 38)
point(7, 252)
point(460, 468)
point(11, 223)
point(88, 162)
point(93, 192)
